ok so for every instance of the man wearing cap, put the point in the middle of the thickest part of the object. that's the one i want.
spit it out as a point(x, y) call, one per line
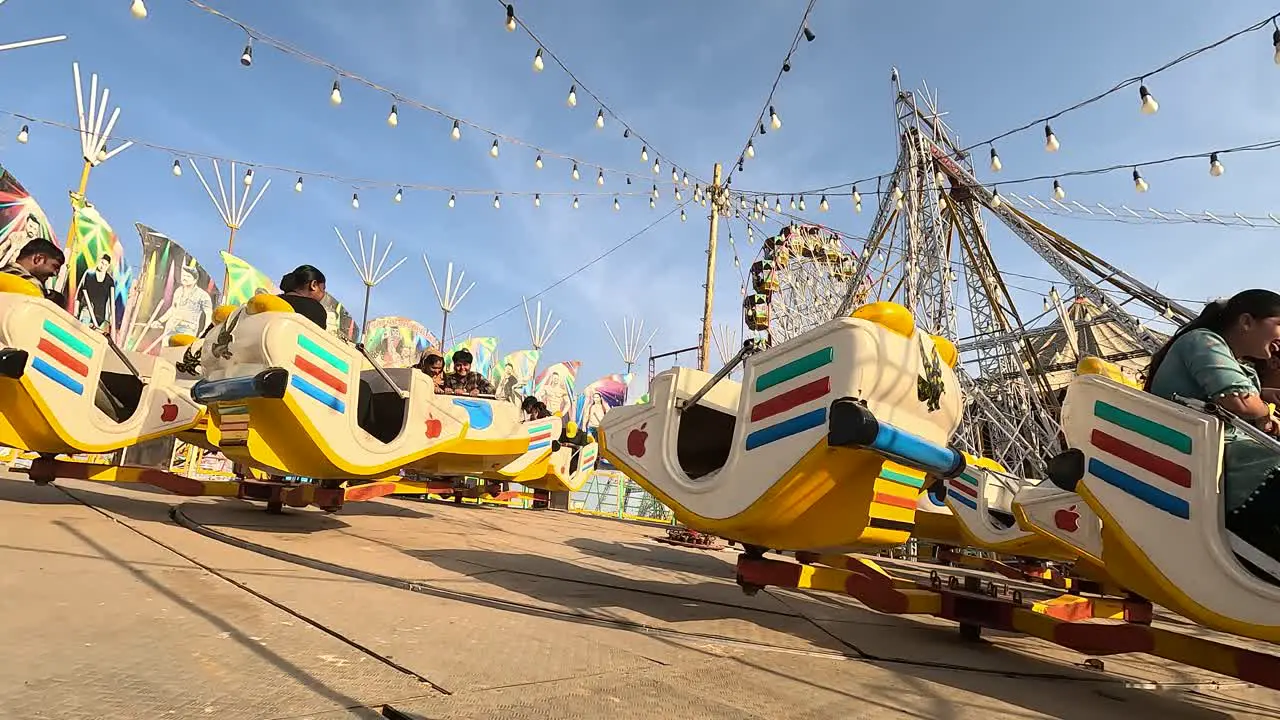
point(463, 381)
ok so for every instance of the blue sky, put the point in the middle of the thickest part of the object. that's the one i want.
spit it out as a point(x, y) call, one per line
point(690, 77)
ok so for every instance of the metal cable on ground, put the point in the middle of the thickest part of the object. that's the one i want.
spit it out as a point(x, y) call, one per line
point(582, 616)
point(589, 263)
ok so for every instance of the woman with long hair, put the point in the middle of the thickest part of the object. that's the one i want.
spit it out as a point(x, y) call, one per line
point(1213, 358)
point(304, 288)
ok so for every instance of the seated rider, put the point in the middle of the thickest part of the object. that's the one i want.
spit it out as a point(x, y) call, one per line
point(1212, 359)
point(304, 289)
point(529, 408)
point(541, 411)
point(432, 363)
point(463, 380)
point(37, 261)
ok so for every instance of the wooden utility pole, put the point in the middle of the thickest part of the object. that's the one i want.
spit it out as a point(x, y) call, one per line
point(704, 343)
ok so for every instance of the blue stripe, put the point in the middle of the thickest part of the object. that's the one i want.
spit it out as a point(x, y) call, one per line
point(787, 428)
point(967, 502)
point(57, 376)
point(317, 394)
point(1152, 496)
point(540, 445)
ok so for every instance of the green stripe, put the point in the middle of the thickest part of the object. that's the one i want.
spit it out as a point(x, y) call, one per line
point(68, 339)
point(1142, 426)
point(539, 429)
point(901, 478)
point(310, 346)
point(795, 368)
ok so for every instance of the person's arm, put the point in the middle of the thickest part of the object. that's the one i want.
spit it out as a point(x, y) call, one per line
point(1222, 379)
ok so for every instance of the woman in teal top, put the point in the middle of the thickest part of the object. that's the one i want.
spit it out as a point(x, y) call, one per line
point(1211, 359)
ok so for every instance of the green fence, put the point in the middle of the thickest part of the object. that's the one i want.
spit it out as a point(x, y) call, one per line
point(609, 493)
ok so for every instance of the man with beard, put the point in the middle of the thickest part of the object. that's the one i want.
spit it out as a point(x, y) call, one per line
point(96, 296)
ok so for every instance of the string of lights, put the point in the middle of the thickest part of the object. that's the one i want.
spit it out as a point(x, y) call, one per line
point(581, 269)
point(1216, 168)
point(398, 100)
point(356, 184)
point(757, 127)
point(578, 87)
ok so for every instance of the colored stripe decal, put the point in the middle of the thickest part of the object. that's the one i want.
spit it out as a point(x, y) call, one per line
point(543, 436)
point(901, 478)
point(1167, 469)
point(966, 489)
point(787, 428)
point(79, 346)
point(962, 500)
point(56, 375)
point(336, 383)
point(540, 429)
point(1142, 426)
point(795, 368)
point(968, 478)
point(895, 501)
point(790, 399)
point(1152, 496)
point(310, 390)
point(74, 364)
point(883, 524)
point(539, 445)
point(312, 347)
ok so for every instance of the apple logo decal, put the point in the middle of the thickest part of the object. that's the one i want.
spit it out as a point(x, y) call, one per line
point(1067, 519)
point(168, 412)
point(434, 427)
point(636, 440)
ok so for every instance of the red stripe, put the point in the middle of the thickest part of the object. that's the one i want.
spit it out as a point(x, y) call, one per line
point(894, 500)
point(1167, 469)
point(63, 357)
point(966, 489)
point(543, 436)
point(338, 384)
point(791, 398)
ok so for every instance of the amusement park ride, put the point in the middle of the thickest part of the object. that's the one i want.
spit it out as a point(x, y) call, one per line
point(864, 419)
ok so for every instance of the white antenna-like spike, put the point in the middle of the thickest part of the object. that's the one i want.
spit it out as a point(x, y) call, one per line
point(382, 260)
point(621, 353)
point(347, 247)
point(364, 269)
point(87, 135)
point(633, 339)
point(245, 215)
point(390, 270)
point(229, 206)
point(75, 71)
point(432, 275)
point(463, 296)
point(550, 331)
point(32, 43)
point(209, 191)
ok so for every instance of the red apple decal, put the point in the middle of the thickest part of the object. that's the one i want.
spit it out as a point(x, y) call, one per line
point(636, 440)
point(1067, 519)
point(168, 412)
point(434, 428)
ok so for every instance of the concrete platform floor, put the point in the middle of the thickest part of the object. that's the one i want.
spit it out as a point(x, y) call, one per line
point(113, 610)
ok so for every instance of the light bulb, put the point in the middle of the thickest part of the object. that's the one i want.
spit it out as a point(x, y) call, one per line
point(777, 205)
point(644, 153)
point(355, 201)
point(822, 204)
point(793, 202)
point(1215, 167)
point(600, 178)
point(139, 9)
point(675, 176)
point(684, 177)
point(177, 169)
point(537, 61)
point(600, 118)
point(616, 206)
point(246, 57)
point(774, 121)
point(297, 187)
point(939, 178)
point(751, 149)
point(655, 192)
point(456, 132)
point(682, 215)
point(1138, 182)
point(857, 206)
point(1275, 41)
point(575, 174)
point(995, 198)
point(24, 134)
point(996, 165)
point(511, 18)
point(679, 197)
point(452, 201)
point(899, 204)
point(1058, 192)
point(493, 149)
point(801, 203)
point(1149, 104)
point(1051, 143)
point(393, 117)
point(248, 177)
point(1045, 304)
point(656, 167)
point(399, 195)
point(897, 193)
point(537, 162)
point(575, 202)
point(335, 97)
point(102, 153)
point(497, 203)
point(537, 199)
point(808, 34)
point(573, 96)
point(857, 196)
point(652, 204)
